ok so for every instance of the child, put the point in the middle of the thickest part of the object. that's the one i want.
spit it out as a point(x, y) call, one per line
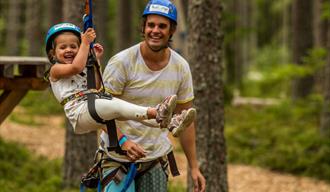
point(67, 49)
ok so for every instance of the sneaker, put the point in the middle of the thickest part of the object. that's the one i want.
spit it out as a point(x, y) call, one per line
point(165, 110)
point(181, 121)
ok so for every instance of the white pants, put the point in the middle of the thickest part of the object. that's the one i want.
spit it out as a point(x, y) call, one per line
point(112, 109)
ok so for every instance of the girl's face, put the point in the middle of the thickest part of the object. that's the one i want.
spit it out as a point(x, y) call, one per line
point(66, 47)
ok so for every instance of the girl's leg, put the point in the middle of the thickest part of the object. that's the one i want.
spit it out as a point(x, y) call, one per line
point(181, 121)
point(122, 110)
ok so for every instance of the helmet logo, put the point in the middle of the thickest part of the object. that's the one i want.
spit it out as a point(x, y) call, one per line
point(64, 25)
point(159, 8)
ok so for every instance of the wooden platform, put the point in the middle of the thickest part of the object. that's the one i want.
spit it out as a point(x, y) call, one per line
point(18, 75)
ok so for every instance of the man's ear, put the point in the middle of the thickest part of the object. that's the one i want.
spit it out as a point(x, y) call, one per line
point(172, 30)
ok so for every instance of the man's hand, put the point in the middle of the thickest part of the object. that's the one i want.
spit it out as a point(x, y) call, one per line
point(134, 151)
point(198, 180)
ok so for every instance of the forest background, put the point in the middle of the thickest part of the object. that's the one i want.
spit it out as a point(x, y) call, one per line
point(276, 82)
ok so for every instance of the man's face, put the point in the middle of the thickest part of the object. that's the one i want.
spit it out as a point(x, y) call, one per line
point(157, 32)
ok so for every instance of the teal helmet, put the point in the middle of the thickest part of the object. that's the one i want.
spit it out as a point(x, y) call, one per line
point(161, 7)
point(60, 28)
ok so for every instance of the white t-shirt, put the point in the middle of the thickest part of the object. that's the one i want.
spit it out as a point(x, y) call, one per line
point(127, 75)
point(66, 87)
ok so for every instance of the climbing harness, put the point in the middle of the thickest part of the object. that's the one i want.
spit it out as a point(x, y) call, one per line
point(95, 178)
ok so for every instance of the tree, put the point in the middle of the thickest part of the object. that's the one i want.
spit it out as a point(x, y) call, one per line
point(205, 39)
point(325, 115)
point(242, 40)
point(33, 28)
point(302, 43)
point(55, 11)
point(79, 149)
point(13, 28)
point(180, 36)
point(101, 26)
point(320, 38)
point(124, 25)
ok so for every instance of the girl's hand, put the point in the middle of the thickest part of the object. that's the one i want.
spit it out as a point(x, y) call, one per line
point(88, 37)
point(98, 48)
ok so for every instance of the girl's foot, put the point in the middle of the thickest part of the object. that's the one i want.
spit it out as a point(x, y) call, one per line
point(165, 110)
point(181, 121)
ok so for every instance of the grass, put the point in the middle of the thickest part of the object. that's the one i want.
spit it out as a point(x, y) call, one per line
point(22, 171)
point(284, 138)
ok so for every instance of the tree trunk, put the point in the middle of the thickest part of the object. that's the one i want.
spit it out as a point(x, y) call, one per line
point(79, 156)
point(124, 25)
point(320, 40)
point(325, 115)
point(79, 149)
point(180, 36)
point(205, 57)
point(55, 8)
point(184, 5)
point(13, 28)
point(33, 28)
point(302, 43)
point(101, 26)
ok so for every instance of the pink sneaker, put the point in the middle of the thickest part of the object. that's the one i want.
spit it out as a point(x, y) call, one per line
point(165, 110)
point(181, 121)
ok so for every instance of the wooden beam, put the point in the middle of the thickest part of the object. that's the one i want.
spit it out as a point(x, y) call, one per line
point(9, 60)
point(23, 83)
point(27, 66)
point(8, 100)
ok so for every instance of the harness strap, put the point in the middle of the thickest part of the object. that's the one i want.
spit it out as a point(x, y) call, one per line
point(106, 180)
point(79, 95)
point(141, 170)
point(111, 125)
point(130, 176)
point(173, 166)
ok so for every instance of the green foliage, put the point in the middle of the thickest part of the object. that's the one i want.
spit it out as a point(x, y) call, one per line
point(283, 138)
point(269, 77)
point(176, 188)
point(325, 10)
point(38, 103)
point(41, 103)
point(21, 172)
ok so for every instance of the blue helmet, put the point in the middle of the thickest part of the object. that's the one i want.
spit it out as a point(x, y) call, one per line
point(57, 29)
point(161, 7)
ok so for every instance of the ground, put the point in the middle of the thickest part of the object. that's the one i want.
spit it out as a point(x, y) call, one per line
point(48, 140)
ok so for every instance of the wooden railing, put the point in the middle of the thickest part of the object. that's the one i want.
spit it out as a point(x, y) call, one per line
point(18, 75)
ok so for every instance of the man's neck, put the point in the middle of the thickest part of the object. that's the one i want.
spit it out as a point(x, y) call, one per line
point(155, 60)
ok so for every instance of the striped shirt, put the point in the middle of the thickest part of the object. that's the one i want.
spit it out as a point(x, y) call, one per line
point(127, 76)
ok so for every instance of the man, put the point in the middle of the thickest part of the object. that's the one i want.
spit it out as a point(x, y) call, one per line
point(144, 74)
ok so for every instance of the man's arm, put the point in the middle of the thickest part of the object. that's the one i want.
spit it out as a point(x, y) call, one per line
point(187, 141)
